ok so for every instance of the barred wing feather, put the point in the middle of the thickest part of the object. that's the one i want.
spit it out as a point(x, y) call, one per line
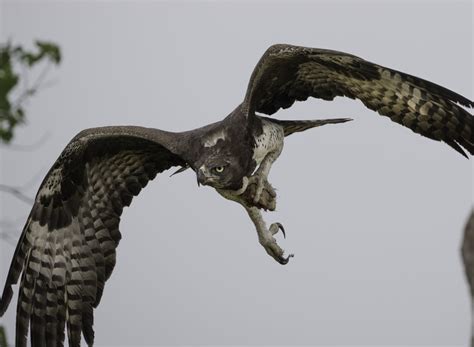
point(286, 74)
point(68, 246)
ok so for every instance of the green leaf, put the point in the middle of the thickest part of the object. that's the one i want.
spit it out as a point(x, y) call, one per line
point(6, 134)
point(12, 113)
point(3, 337)
point(29, 58)
point(50, 50)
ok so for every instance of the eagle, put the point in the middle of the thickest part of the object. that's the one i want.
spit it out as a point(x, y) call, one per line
point(67, 249)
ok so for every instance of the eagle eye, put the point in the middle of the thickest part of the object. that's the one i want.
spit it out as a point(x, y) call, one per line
point(219, 169)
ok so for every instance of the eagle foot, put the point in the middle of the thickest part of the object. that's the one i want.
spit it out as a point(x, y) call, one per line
point(260, 182)
point(276, 227)
point(266, 198)
point(265, 235)
point(268, 242)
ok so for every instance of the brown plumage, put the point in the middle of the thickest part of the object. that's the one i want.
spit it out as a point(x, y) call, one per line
point(67, 249)
point(287, 73)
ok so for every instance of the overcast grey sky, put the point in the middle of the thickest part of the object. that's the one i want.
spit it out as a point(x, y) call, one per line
point(373, 212)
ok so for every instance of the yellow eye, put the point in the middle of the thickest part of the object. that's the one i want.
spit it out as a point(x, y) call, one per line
point(219, 169)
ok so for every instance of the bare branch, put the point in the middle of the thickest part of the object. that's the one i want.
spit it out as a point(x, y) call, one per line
point(16, 192)
point(29, 91)
point(32, 146)
point(10, 229)
point(7, 236)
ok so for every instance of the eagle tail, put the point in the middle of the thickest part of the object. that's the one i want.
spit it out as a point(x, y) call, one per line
point(295, 126)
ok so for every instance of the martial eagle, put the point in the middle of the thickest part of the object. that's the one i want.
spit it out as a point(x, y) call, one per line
point(67, 249)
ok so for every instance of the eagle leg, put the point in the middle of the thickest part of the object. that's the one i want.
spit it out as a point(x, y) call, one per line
point(265, 236)
point(260, 177)
point(267, 199)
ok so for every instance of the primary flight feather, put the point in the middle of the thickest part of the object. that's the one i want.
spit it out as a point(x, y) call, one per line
point(67, 248)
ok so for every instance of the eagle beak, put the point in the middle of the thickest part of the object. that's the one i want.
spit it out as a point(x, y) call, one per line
point(201, 178)
point(204, 177)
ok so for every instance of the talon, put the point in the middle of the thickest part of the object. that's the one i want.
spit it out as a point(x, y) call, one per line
point(285, 261)
point(278, 226)
point(282, 230)
point(271, 246)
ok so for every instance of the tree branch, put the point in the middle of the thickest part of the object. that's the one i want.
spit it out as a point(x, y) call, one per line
point(31, 146)
point(17, 193)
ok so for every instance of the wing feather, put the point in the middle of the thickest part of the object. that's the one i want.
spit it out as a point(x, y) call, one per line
point(38, 324)
point(61, 295)
point(286, 74)
point(68, 246)
point(51, 315)
point(24, 305)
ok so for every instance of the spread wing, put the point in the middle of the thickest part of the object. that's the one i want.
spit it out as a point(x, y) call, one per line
point(67, 249)
point(287, 73)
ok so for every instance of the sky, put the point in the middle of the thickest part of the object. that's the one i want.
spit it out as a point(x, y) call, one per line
point(373, 212)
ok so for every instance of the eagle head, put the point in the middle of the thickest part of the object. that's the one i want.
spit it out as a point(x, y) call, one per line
point(221, 172)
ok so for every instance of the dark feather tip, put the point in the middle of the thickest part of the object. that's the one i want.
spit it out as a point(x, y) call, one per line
point(5, 300)
point(181, 169)
point(458, 148)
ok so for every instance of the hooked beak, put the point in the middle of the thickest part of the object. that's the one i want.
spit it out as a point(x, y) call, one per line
point(201, 178)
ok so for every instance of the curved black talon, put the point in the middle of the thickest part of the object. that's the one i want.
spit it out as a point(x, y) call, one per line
point(280, 226)
point(284, 261)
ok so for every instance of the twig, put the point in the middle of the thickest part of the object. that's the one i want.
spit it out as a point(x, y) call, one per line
point(7, 236)
point(9, 229)
point(31, 90)
point(16, 193)
point(29, 147)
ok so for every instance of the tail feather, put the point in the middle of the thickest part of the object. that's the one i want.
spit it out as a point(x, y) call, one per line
point(295, 126)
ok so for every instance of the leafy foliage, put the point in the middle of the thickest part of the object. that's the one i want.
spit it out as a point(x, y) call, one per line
point(3, 337)
point(12, 59)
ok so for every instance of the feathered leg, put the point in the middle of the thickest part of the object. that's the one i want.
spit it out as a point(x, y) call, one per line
point(265, 235)
point(260, 177)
